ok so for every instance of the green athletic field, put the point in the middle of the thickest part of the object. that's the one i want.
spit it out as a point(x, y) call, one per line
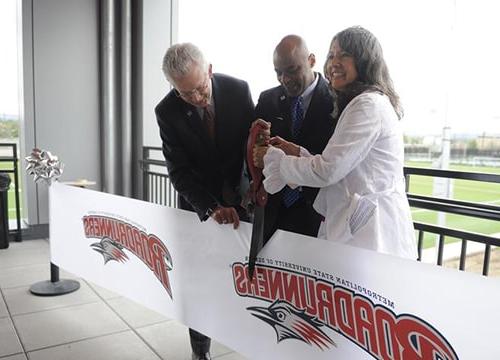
point(11, 197)
point(462, 190)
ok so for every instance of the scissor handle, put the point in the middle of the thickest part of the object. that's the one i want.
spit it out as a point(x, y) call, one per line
point(256, 138)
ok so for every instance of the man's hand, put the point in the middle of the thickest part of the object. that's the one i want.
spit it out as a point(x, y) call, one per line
point(226, 215)
point(258, 156)
point(288, 147)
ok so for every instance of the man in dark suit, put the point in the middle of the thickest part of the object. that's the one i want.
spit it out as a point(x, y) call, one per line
point(204, 124)
point(299, 111)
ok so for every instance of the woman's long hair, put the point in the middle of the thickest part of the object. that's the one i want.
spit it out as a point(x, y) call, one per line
point(373, 74)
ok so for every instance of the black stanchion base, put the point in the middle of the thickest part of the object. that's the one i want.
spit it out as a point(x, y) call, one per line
point(49, 288)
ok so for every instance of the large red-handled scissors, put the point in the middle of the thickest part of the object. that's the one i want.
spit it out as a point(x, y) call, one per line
point(257, 137)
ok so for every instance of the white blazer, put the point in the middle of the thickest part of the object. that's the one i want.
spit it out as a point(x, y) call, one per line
point(360, 173)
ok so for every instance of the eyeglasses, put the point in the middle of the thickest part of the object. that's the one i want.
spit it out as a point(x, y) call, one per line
point(200, 90)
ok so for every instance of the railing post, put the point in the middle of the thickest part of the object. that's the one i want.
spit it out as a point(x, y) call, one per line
point(486, 262)
point(16, 194)
point(145, 169)
point(463, 255)
point(420, 244)
point(440, 249)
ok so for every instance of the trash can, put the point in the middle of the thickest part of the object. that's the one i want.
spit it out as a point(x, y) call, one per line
point(4, 210)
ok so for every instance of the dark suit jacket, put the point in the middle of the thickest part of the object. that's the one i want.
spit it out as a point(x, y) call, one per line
point(199, 168)
point(274, 106)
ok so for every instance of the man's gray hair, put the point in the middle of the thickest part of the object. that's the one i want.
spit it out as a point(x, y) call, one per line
point(179, 60)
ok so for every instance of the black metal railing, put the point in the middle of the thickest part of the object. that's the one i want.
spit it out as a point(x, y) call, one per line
point(158, 189)
point(8, 155)
point(451, 206)
point(156, 185)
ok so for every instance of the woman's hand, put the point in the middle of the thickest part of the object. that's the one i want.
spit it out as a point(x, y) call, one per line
point(289, 148)
point(258, 155)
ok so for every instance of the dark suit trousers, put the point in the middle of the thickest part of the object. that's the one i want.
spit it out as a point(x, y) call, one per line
point(199, 343)
point(299, 218)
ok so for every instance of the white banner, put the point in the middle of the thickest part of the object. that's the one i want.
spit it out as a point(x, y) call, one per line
point(310, 298)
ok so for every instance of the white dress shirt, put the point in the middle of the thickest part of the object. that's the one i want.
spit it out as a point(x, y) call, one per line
point(360, 174)
point(308, 94)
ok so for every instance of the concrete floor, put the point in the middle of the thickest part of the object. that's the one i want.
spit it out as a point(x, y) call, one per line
point(91, 323)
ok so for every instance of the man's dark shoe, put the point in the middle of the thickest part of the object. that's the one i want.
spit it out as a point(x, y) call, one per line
point(205, 356)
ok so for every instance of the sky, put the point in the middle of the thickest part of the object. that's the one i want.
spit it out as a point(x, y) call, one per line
point(443, 55)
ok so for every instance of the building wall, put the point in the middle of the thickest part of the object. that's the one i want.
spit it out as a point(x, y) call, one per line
point(61, 91)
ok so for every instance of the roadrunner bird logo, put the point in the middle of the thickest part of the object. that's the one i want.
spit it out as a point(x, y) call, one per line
point(302, 303)
point(292, 323)
point(116, 235)
point(110, 250)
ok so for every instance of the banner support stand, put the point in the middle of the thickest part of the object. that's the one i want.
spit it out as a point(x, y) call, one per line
point(54, 286)
point(45, 166)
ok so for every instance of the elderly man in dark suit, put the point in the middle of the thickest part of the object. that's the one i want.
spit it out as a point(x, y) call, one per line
point(300, 114)
point(204, 123)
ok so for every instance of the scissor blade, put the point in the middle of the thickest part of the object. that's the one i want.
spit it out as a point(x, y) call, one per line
point(257, 238)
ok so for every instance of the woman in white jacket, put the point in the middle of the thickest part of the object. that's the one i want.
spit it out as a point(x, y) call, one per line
point(360, 172)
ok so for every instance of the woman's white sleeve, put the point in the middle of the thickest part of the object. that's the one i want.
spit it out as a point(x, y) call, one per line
point(303, 152)
point(357, 131)
point(273, 181)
